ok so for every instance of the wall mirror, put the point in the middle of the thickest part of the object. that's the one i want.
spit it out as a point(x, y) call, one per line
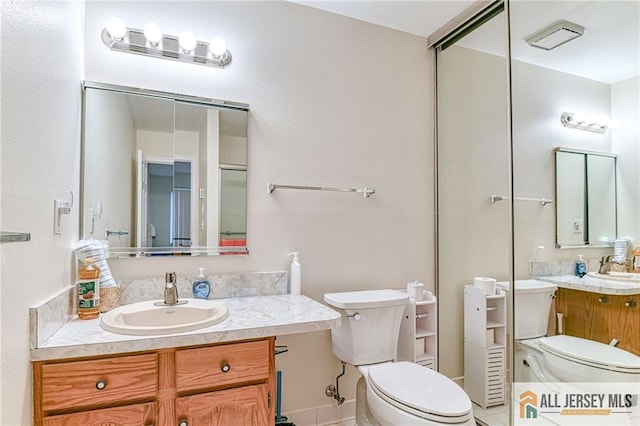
point(585, 198)
point(163, 174)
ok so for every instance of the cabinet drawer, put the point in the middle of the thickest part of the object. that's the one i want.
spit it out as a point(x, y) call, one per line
point(98, 382)
point(203, 368)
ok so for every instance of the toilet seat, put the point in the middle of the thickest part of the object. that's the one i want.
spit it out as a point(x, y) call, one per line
point(591, 353)
point(420, 391)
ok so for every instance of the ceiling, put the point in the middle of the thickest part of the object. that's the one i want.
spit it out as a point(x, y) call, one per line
point(419, 17)
point(609, 50)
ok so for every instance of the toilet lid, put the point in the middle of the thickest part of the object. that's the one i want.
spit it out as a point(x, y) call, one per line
point(592, 353)
point(419, 388)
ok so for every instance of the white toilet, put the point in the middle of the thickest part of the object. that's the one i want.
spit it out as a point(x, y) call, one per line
point(391, 393)
point(560, 358)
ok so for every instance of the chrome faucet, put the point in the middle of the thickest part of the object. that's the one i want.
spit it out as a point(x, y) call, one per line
point(170, 291)
point(605, 264)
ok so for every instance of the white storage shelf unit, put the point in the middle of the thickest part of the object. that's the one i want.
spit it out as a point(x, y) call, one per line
point(418, 341)
point(485, 346)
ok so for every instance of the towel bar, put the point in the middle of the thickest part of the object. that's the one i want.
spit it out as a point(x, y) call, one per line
point(367, 192)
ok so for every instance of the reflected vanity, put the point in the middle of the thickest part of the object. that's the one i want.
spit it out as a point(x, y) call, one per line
point(163, 174)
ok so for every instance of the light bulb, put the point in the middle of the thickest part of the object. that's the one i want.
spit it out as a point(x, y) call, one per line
point(116, 28)
point(217, 46)
point(153, 33)
point(187, 42)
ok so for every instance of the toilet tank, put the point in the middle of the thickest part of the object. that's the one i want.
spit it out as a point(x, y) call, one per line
point(533, 302)
point(370, 325)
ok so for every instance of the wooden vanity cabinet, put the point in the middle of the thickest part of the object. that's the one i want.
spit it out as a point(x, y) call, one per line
point(212, 385)
point(601, 317)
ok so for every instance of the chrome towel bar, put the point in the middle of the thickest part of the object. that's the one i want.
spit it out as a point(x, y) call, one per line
point(543, 201)
point(367, 192)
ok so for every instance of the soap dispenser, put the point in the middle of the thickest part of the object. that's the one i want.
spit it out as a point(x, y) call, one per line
point(295, 274)
point(201, 286)
point(581, 267)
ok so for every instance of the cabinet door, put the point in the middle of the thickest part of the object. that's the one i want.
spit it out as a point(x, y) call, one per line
point(244, 406)
point(131, 415)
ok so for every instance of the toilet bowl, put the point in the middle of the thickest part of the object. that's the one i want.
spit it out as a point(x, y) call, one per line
point(560, 358)
point(391, 393)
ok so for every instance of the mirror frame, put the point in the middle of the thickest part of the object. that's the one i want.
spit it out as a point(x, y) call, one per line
point(137, 252)
point(587, 243)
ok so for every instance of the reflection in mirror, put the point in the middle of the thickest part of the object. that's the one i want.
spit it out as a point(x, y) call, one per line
point(155, 172)
point(472, 163)
point(585, 198)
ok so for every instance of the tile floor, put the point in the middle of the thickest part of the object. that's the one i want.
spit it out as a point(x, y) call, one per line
point(492, 416)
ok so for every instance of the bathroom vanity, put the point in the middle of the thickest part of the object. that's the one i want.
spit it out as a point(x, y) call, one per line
point(223, 374)
point(211, 384)
point(599, 309)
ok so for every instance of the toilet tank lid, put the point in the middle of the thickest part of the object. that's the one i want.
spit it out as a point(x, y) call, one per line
point(366, 299)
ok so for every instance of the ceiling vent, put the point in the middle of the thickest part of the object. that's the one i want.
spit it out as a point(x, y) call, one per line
point(555, 35)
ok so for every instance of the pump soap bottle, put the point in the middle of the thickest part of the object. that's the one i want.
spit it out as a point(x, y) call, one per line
point(581, 267)
point(295, 274)
point(201, 286)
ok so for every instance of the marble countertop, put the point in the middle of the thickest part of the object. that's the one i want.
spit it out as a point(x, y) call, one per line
point(249, 317)
point(593, 284)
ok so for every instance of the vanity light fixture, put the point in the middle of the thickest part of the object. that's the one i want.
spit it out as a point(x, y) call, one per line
point(590, 123)
point(150, 41)
point(555, 35)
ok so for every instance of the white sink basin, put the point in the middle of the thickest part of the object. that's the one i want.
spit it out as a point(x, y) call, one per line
point(147, 318)
point(617, 276)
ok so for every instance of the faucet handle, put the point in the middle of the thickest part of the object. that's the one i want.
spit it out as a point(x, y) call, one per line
point(170, 278)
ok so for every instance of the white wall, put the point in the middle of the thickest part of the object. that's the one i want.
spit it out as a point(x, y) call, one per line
point(625, 106)
point(42, 60)
point(328, 106)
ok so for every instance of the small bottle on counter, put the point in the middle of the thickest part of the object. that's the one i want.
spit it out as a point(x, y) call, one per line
point(581, 267)
point(201, 286)
point(294, 279)
point(88, 290)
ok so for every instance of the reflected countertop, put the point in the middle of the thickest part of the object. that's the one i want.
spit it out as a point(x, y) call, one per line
point(593, 284)
point(249, 317)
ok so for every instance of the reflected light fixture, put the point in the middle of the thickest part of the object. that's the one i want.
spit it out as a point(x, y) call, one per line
point(555, 35)
point(590, 123)
point(150, 41)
